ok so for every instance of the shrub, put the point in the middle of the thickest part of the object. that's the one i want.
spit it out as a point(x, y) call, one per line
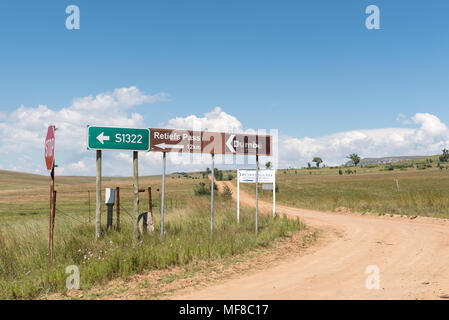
point(200, 189)
point(227, 193)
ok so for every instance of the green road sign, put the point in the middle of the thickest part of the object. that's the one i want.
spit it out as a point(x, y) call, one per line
point(101, 138)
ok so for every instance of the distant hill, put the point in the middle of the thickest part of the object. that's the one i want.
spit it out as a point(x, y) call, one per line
point(12, 180)
point(384, 160)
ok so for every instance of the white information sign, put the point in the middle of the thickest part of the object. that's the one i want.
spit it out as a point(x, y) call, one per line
point(249, 176)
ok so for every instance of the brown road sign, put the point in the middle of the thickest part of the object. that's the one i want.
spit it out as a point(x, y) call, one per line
point(174, 140)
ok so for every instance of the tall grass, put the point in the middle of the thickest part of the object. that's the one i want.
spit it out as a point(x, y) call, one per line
point(25, 272)
point(423, 193)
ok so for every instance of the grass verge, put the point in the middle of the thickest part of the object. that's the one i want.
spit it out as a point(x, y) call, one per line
point(25, 272)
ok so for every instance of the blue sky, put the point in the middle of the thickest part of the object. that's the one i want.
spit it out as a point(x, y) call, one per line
point(308, 68)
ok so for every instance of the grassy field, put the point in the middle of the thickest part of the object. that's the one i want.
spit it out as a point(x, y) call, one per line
point(24, 268)
point(423, 188)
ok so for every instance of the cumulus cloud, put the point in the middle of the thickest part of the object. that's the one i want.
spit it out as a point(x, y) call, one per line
point(22, 134)
point(215, 120)
point(23, 130)
point(429, 138)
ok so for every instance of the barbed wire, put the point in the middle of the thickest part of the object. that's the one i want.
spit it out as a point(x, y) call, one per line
point(67, 215)
point(127, 212)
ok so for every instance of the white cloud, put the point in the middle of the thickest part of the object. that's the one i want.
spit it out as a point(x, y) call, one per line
point(22, 133)
point(429, 138)
point(23, 130)
point(215, 120)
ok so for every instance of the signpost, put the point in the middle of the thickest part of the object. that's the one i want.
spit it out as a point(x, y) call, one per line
point(50, 164)
point(110, 138)
point(189, 141)
point(171, 140)
point(113, 138)
point(250, 176)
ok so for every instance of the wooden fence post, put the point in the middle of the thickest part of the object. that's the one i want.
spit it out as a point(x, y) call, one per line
point(88, 202)
point(98, 197)
point(150, 202)
point(117, 206)
point(136, 194)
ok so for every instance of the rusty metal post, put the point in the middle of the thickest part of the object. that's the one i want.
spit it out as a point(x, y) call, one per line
point(150, 201)
point(88, 202)
point(117, 206)
point(52, 226)
point(50, 232)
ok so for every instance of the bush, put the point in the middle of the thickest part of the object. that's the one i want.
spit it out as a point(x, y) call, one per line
point(227, 193)
point(201, 189)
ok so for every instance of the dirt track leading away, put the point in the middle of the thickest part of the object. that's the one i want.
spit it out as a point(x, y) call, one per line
point(412, 256)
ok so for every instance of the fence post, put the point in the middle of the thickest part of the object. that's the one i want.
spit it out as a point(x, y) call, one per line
point(88, 202)
point(150, 201)
point(117, 206)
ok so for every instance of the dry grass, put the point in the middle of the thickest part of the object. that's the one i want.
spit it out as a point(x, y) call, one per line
point(24, 268)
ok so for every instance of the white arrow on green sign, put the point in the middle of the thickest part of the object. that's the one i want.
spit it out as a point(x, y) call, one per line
point(112, 138)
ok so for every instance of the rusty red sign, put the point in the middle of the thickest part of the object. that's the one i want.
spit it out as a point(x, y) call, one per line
point(175, 140)
point(50, 147)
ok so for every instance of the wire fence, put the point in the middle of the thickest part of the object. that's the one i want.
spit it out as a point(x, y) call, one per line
point(78, 206)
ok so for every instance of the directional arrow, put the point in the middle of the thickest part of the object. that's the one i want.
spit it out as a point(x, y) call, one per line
point(169, 146)
point(229, 143)
point(101, 137)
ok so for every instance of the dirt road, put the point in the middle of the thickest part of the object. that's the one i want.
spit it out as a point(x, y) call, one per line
point(412, 256)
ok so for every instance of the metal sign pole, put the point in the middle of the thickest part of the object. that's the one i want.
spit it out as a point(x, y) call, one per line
point(212, 198)
point(274, 193)
point(136, 193)
point(52, 194)
point(257, 191)
point(238, 196)
point(98, 197)
point(164, 157)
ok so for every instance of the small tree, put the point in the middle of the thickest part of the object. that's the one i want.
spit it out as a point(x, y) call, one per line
point(355, 158)
point(318, 161)
point(268, 165)
point(445, 156)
